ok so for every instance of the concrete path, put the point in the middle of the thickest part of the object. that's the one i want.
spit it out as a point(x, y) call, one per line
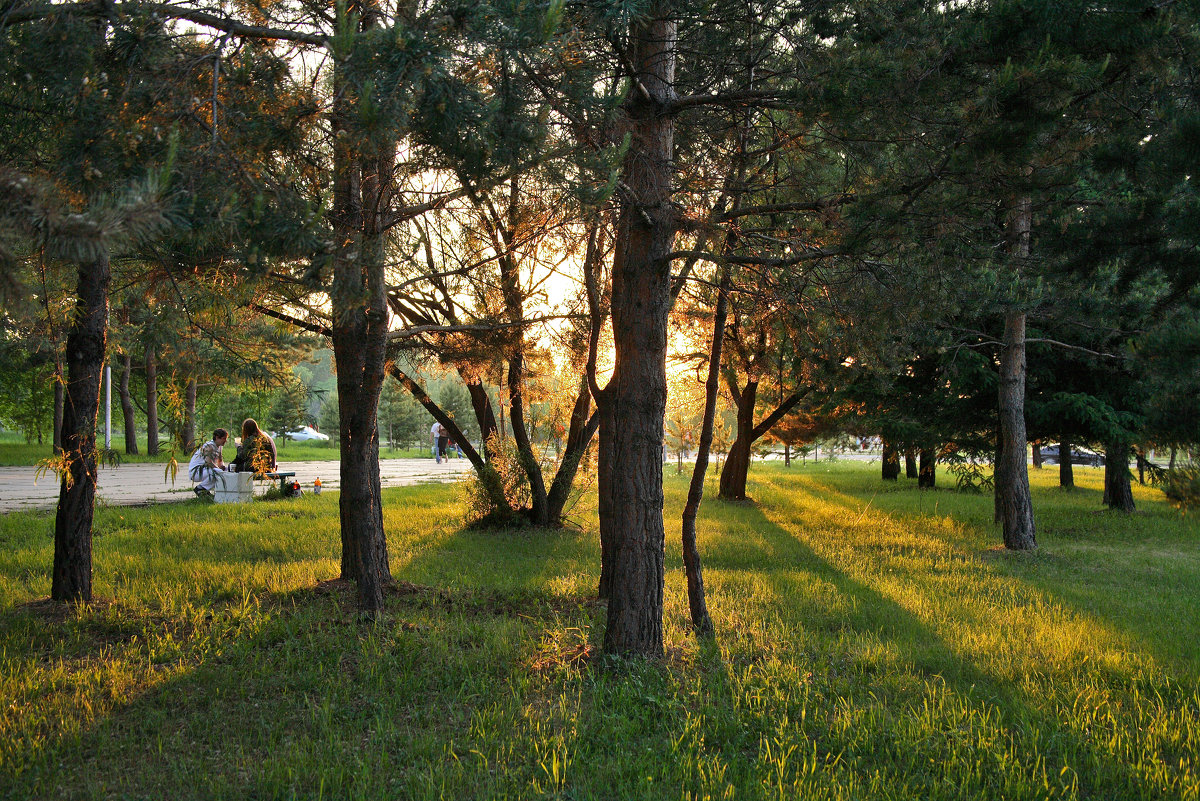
point(136, 484)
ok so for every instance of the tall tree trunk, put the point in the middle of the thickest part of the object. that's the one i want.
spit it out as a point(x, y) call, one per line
point(1118, 493)
point(641, 300)
point(361, 198)
point(604, 498)
point(1066, 466)
point(1037, 455)
point(927, 478)
point(131, 439)
point(1140, 454)
point(1171, 465)
point(151, 402)
point(189, 416)
point(87, 342)
point(734, 474)
point(1013, 479)
point(910, 463)
point(701, 621)
point(890, 471)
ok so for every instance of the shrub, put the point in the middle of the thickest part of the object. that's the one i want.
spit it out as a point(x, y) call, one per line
point(1182, 485)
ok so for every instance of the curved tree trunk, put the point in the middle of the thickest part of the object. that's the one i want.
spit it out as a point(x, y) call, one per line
point(131, 440)
point(697, 605)
point(1012, 486)
point(529, 462)
point(579, 437)
point(87, 342)
point(151, 402)
point(927, 478)
point(1066, 467)
point(485, 416)
point(641, 300)
point(1118, 492)
point(890, 471)
point(737, 463)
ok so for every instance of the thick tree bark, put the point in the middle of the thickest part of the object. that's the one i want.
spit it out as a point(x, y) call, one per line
point(1118, 492)
point(927, 478)
point(85, 355)
point(890, 471)
point(1066, 467)
point(151, 402)
point(697, 606)
point(1012, 485)
point(361, 199)
point(910, 463)
point(131, 440)
point(604, 499)
point(641, 300)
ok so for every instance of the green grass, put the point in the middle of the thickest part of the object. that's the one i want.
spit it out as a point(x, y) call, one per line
point(872, 642)
point(14, 451)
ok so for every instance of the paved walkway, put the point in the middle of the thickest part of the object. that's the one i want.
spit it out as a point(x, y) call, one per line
point(136, 484)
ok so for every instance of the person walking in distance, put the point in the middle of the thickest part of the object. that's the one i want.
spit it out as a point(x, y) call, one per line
point(443, 439)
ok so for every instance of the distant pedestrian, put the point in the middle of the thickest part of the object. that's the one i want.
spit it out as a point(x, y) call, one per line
point(443, 440)
point(433, 436)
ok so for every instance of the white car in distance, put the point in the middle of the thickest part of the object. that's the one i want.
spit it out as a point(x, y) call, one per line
point(305, 434)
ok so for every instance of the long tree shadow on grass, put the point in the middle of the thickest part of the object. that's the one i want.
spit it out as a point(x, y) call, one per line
point(283, 693)
point(1136, 575)
point(888, 668)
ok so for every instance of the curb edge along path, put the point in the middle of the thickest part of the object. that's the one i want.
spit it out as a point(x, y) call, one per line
point(138, 484)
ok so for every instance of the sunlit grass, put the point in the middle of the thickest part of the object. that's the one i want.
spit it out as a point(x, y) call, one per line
point(872, 643)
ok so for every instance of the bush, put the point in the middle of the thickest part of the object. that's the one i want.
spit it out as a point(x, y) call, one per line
point(498, 494)
point(1182, 486)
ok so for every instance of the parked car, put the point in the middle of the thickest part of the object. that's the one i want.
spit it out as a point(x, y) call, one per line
point(1081, 456)
point(305, 434)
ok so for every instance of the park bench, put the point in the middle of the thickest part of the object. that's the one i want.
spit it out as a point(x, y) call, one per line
point(283, 480)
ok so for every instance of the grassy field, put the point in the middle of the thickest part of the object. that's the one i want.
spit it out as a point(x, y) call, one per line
point(15, 451)
point(872, 642)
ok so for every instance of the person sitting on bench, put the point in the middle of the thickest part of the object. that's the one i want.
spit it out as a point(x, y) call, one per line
point(205, 462)
point(256, 454)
